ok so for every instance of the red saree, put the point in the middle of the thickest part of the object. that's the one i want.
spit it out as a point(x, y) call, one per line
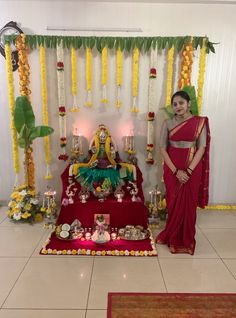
point(183, 199)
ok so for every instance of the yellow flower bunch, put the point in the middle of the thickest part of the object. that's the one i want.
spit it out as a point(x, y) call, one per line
point(24, 68)
point(170, 60)
point(104, 66)
point(11, 100)
point(24, 206)
point(74, 80)
point(119, 67)
point(43, 74)
point(186, 66)
point(202, 64)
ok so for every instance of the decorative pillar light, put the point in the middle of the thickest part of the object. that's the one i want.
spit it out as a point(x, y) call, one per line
point(77, 147)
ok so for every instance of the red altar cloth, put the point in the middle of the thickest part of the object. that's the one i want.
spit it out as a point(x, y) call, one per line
point(121, 214)
point(55, 246)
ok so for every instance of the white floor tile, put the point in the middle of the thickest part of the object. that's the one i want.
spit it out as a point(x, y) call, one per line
point(231, 264)
point(52, 284)
point(19, 241)
point(197, 276)
point(123, 274)
point(10, 269)
point(216, 219)
point(9, 313)
point(223, 240)
point(96, 314)
point(3, 213)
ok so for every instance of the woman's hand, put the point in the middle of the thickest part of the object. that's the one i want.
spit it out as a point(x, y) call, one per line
point(182, 176)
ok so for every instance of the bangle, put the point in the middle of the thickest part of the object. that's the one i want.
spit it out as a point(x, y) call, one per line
point(190, 169)
point(188, 173)
point(175, 173)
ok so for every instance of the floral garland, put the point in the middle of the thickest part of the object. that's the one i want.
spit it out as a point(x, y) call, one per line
point(118, 77)
point(170, 61)
point(220, 207)
point(24, 76)
point(11, 100)
point(44, 94)
point(89, 103)
point(75, 107)
point(202, 64)
point(186, 66)
point(61, 101)
point(24, 68)
point(134, 108)
point(151, 107)
point(104, 76)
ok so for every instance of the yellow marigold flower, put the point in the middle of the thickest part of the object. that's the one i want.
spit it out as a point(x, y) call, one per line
point(103, 253)
point(122, 253)
point(164, 203)
point(141, 253)
point(149, 253)
point(26, 215)
point(93, 253)
point(54, 252)
point(64, 252)
point(27, 207)
point(43, 209)
point(132, 253)
point(113, 253)
point(44, 251)
point(83, 251)
point(73, 252)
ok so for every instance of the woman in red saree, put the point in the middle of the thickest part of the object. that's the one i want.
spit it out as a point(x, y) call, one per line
point(184, 146)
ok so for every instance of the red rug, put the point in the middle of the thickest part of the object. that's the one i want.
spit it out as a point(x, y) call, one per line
point(173, 305)
point(55, 246)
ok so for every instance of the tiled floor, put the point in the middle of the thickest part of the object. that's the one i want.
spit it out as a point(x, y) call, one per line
point(35, 286)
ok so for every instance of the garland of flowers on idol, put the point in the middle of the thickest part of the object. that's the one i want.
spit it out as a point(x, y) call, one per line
point(118, 77)
point(11, 100)
point(151, 107)
point(44, 93)
point(186, 66)
point(134, 108)
point(170, 63)
point(74, 107)
point(24, 77)
point(202, 65)
point(61, 101)
point(88, 102)
point(104, 76)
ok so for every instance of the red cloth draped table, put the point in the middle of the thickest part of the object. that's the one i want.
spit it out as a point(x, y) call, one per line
point(121, 213)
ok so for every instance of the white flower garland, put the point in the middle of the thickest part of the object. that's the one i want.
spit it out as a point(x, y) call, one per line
point(151, 106)
point(61, 101)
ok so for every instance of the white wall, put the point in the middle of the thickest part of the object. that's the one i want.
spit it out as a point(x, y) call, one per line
point(215, 21)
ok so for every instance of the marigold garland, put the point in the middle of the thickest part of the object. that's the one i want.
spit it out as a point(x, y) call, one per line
point(11, 100)
point(134, 108)
point(170, 61)
point(202, 64)
point(44, 94)
point(104, 76)
point(24, 68)
point(186, 66)
point(61, 101)
point(89, 103)
point(75, 107)
point(118, 77)
point(24, 76)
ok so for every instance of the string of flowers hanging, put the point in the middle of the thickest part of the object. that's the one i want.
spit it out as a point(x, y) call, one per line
point(61, 101)
point(11, 100)
point(134, 108)
point(88, 102)
point(44, 94)
point(104, 76)
point(151, 107)
point(202, 65)
point(170, 63)
point(186, 66)
point(24, 80)
point(74, 107)
point(118, 77)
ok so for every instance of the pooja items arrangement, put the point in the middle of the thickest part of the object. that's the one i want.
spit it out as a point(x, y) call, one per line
point(133, 233)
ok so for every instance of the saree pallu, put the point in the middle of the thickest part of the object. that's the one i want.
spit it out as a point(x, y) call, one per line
point(183, 199)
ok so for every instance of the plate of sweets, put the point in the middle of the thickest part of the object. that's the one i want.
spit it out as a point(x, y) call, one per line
point(133, 233)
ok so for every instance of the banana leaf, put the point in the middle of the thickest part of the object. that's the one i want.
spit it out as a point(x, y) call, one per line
point(23, 114)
